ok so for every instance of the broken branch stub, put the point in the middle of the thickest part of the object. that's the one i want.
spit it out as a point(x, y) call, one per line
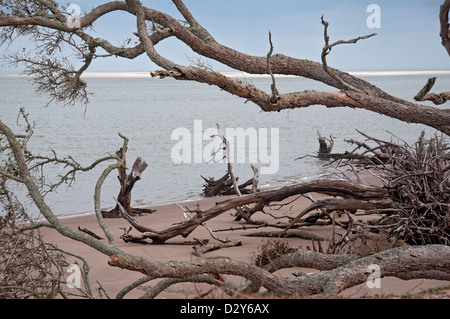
point(127, 182)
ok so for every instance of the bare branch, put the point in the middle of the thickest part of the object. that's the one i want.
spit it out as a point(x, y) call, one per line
point(197, 38)
point(327, 49)
point(437, 99)
point(20, 161)
point(274, 97)
point(228, 157)
point(392, 262)
point(445, 27)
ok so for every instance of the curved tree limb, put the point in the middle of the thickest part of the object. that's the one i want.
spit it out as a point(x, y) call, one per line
point(353, 194)
point(445, 27)
point(424, 94)
point(355, 92)
point(327, 49)
point(28, 181)
point(409, 261)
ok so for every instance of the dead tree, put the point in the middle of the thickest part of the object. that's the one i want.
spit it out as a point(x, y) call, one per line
point(353, 196)
point(424, 94)
point(47, 23)
point(417, 178)
point(339, 271)
point(324, 148)
point(227, 184)
point(127, 182)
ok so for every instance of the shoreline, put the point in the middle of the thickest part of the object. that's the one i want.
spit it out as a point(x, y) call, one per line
point(113, 279)
point(199, 196)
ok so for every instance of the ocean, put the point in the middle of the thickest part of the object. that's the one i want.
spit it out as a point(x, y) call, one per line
point(169, 122)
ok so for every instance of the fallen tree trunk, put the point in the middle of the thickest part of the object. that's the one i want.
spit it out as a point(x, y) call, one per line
point(341, 271)
point(364, 195)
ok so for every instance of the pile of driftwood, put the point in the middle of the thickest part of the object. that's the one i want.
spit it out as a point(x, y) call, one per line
point(418, 181)
point(224, 186)
point(417, 178)
point(369, 155)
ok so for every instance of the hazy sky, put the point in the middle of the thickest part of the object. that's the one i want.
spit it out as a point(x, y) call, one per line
point(408, 38)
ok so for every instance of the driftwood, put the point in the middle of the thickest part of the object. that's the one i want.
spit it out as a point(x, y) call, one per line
point(203, 249)
point(288, 233)
point(127, 182)
point(417, 178)
point(340, 271)
point(224, 186)
point(87, 231)
point(436, 98)
point(351, 194)
point(406, 181)
point(370, 155)
point(417, 184)
point(324, 148)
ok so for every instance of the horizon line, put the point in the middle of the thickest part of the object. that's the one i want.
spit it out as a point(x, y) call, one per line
point(140, 74)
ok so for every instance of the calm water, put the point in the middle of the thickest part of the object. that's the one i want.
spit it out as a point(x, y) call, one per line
point(147, 110)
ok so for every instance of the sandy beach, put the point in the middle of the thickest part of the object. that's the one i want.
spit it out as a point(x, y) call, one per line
point(113, 279)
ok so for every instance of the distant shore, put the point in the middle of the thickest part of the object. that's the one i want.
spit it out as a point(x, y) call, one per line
point(361, 73)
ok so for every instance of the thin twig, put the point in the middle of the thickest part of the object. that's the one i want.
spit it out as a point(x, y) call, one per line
point(275, 94)
point(327, 49)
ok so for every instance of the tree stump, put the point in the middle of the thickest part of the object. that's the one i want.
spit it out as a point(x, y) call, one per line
point(127, 182)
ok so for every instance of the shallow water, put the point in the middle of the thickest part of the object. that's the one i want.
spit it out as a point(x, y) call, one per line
point(147, 110)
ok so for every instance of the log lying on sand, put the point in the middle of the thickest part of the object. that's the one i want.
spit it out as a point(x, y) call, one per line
point(299, 233)
point(348, 192)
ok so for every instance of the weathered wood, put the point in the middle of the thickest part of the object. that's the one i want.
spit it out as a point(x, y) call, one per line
point(203, 249)
point(373, 155)
point(371, 196)
point(324, 148)
point(300, 233)
point(87, 231)
point(437, 99)
point(445, 31)
point(224, 186)
point(344, 271)
point(127, 182)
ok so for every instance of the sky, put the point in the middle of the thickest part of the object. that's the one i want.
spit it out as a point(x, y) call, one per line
point(407, 34)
